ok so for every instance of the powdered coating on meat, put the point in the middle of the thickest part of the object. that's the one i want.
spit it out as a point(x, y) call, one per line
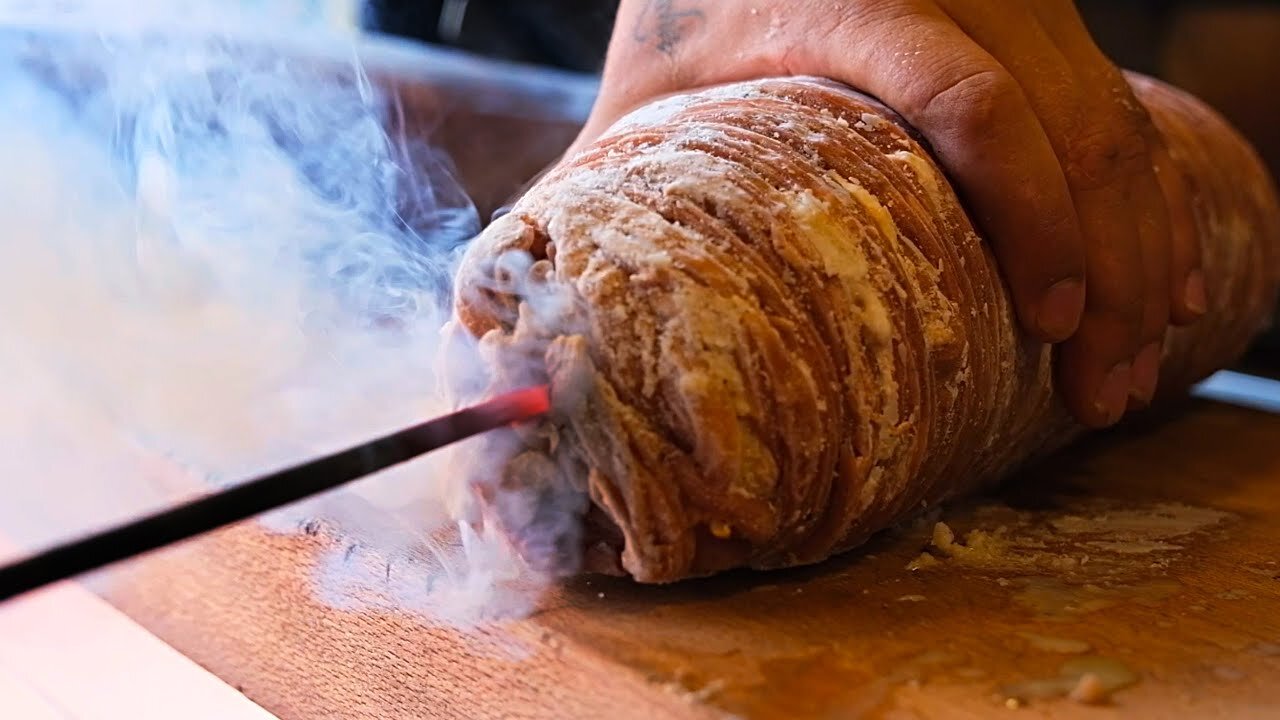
point(771, 330)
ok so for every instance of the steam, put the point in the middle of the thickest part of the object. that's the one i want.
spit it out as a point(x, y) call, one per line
point(209, 268)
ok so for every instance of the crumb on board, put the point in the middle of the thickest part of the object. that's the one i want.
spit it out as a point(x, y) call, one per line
point(925, 560)
point(1267, 649)
point(1089, 690)
point(1086, 680)
point(1099, 537)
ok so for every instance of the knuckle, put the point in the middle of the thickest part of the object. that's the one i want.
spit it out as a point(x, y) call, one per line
point(1135, 116)
point(973, 102)
point(1111, 141)
point(1101, 156)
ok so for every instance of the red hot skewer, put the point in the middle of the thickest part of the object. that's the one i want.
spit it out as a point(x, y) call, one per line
point(266, 493)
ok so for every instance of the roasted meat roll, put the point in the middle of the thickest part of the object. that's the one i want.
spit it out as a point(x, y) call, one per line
point(771, 330)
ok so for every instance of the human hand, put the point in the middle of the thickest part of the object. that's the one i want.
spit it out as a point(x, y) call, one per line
point(1055, 158)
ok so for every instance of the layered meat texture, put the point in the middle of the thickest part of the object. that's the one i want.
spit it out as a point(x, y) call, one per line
point(771, 330)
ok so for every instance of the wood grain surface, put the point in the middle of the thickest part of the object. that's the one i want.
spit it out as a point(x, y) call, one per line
point(1153, 551)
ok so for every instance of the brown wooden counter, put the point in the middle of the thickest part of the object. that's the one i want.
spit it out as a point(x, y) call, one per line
point(1152, 554)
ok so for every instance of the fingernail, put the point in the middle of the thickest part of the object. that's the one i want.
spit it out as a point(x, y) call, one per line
point(1060, 309)
point(1145, 374)
point(1113, 396)
point(1194, 294)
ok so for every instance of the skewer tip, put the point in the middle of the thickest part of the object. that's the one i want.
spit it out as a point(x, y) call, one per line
point(525, 404)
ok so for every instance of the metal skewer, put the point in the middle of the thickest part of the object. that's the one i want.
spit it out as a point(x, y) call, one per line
point(265, 493)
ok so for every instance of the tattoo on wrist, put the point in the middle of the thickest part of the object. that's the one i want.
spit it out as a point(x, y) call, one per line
point(665, 23)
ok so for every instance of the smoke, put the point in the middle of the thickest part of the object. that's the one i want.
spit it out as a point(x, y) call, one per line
point(209, 268)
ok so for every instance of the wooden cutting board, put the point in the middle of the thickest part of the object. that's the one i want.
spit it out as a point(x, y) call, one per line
point(1148, 559)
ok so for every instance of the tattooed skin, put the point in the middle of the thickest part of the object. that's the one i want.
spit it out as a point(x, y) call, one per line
point(664, 25)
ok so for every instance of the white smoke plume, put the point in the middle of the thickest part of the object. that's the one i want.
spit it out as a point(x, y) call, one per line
point(207, 271)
